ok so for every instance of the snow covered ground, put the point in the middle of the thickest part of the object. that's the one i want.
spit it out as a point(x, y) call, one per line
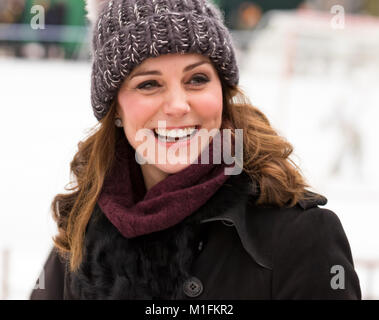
point(45, 111)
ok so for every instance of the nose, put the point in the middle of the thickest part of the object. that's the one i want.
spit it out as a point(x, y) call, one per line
point(176, 102)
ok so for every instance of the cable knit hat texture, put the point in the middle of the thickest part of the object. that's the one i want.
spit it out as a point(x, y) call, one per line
point(126, 32)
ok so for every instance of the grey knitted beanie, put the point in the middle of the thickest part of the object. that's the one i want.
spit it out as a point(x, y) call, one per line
point(126, 32)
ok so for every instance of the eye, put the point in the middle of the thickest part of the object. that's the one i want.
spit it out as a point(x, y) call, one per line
point(199, 79)
point(148, 85)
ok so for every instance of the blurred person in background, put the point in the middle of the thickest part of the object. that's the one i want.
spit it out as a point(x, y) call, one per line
point(55, 15)
point(11, 11)
point(372, 7)
point(245, 14)
point(55, 40)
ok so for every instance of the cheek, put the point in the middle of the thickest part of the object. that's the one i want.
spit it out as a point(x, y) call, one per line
point(135, 111)
point(209, 105)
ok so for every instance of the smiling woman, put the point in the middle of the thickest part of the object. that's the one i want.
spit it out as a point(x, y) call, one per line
point(166, 70)
point(183, 92)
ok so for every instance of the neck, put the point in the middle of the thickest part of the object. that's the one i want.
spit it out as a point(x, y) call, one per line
point(152, 175)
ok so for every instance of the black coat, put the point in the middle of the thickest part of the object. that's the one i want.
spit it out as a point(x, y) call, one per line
point(228, 249)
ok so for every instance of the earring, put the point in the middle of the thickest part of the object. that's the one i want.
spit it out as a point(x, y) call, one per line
point(118, 122)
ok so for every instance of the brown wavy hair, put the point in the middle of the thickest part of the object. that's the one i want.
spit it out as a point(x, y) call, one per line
point(265, 159)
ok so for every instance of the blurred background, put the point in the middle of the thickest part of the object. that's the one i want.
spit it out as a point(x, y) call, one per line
point(311, 66)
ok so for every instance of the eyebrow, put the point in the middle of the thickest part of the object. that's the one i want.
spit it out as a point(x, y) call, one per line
point(155, 72)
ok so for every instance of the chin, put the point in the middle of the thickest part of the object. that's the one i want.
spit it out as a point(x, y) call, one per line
point(172, 168)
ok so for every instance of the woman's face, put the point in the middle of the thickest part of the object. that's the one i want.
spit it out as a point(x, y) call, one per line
point(182, 91)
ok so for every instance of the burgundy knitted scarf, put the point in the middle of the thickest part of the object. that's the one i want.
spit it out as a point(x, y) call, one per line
point(135, 211)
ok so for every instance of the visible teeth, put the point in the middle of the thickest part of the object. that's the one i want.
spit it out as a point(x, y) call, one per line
point(175, 133)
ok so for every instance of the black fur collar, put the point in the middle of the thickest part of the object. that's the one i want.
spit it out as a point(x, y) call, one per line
point(152, 266)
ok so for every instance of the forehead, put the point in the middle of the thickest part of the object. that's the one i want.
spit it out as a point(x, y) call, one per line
point(171, 59)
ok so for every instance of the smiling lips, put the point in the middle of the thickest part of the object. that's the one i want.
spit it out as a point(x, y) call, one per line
point(171, 135)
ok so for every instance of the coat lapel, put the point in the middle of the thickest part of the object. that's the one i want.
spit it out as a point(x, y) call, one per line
point(254, 223)
point(234, 197)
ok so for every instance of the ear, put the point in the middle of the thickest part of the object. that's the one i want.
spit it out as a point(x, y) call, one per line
point(117, 108)
point(93, 8)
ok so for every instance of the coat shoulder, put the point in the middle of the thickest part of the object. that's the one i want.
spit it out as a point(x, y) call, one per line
point(302, 245)
point(50, 284)
point(262, 229)
point(269, 229)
